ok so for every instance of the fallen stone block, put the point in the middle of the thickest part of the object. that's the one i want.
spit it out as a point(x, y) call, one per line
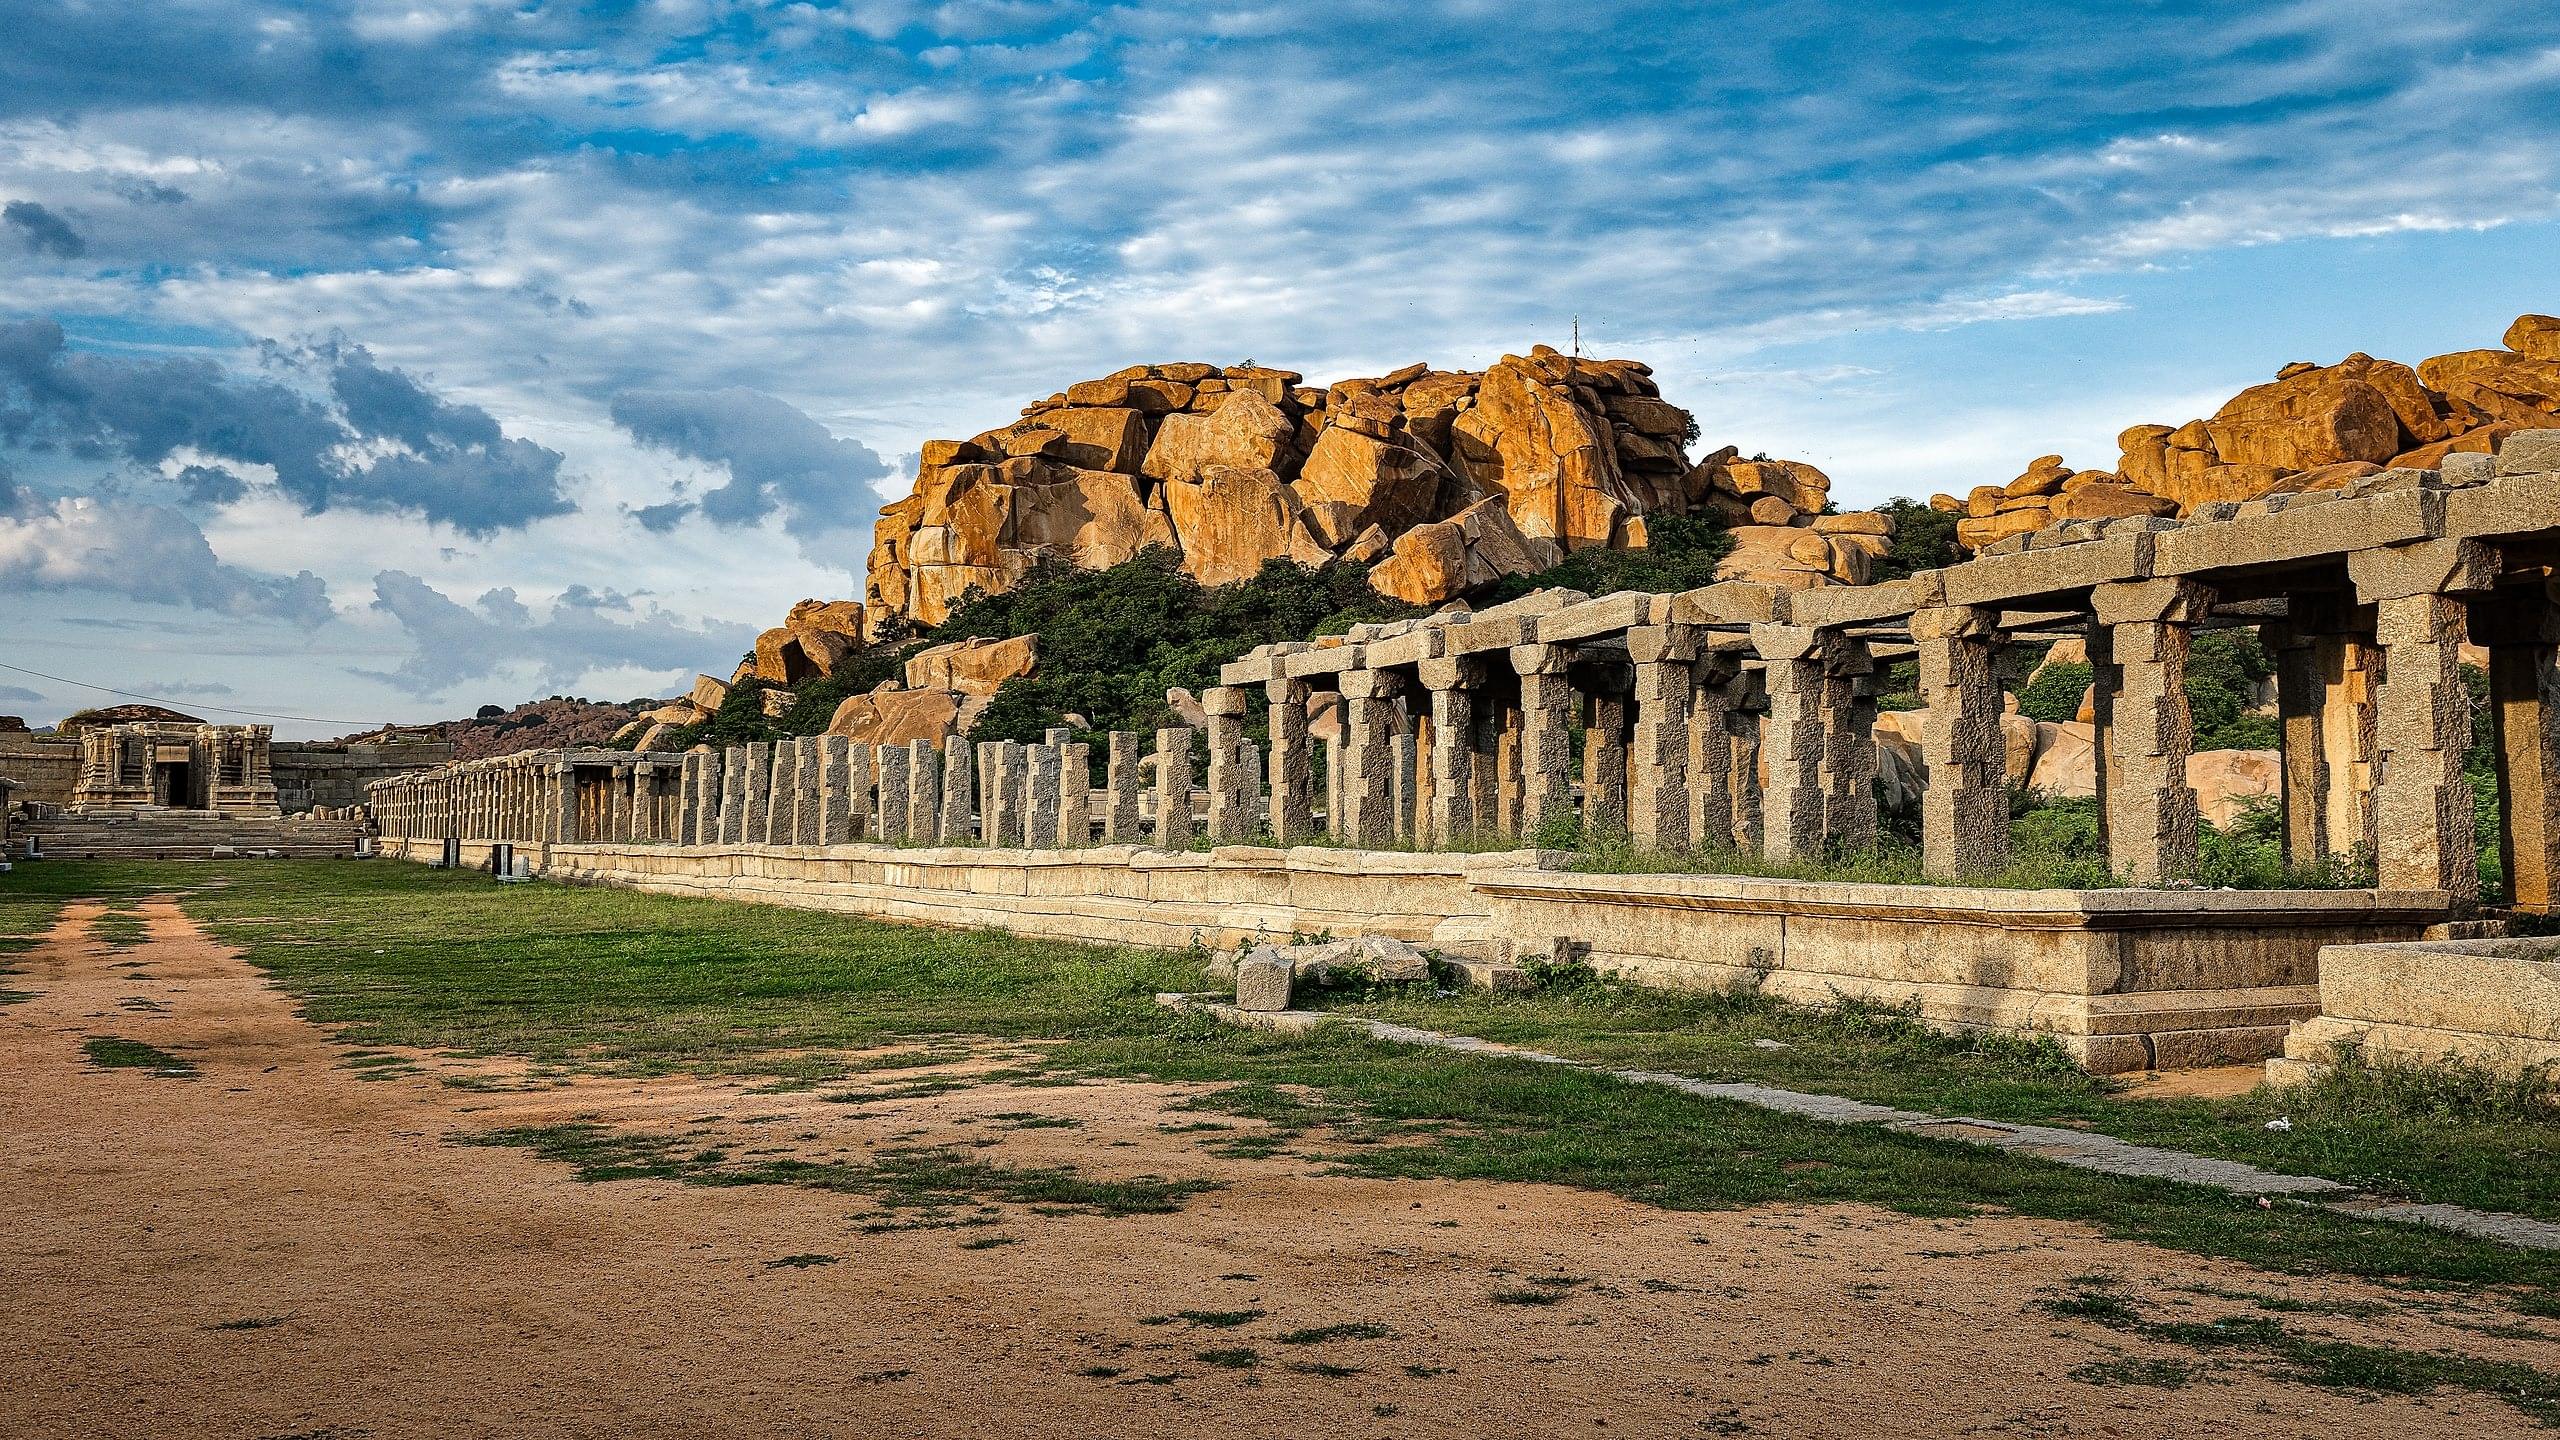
point(1262, 980)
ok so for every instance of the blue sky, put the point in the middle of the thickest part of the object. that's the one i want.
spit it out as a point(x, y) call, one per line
point(375, 361)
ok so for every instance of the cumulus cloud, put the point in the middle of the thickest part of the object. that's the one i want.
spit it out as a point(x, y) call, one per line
point(43, 231)
point(582, 631)
point(778, 459)
point(146, 552)
point(374, 440)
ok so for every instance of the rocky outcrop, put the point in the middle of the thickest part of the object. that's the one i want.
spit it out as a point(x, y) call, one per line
point(892, 715)
point(810, 642)
point(1442, 480)
point(539, 725)
point(975, 666)
point(2313, 427)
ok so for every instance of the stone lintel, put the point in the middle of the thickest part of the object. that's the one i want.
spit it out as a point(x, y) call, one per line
point(1603, 616)
point(1647, 644)
point(2391, 518)
point(1332, 660)
point(1850, 604)
point(2029, 574)
point(1251, 670)
point(1500, 633)
point(1410, 648)
point(1371, 684)
point(2430, 567)
point(1730, 602)
point(2529, 452)
point(2503, 508)
point(2151, 602)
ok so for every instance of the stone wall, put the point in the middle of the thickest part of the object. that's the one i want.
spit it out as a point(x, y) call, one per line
point(315, 774)
point(47, 770)
point(2491, 1002)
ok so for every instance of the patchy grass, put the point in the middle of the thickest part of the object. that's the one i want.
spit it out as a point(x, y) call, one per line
point(396, 955)
point(120, 929)
point(113, 1052)
point(1356, 1330)
point(1241, 1357)
point(2456, 1137)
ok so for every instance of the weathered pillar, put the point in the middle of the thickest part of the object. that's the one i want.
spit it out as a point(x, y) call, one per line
point(924, 792)
point(1075, 794)
point(759, 783)
point(2349, 666)
point(701, 820)
point(890, 824)
point(1173, 787)
point(779, 807)
point(1291, 817)
point(1508, 725)
point(1368, 755)
point(1658, 778)
point(1121, 775)
point(1453, 682)
point(1333, 821)
point(2423, 805)
point(862, 773)
point(810, 793)
point(2301, 697)
point(1748, 722)
point(1792, 799)
point(1849, 747)
point(1013, 789)
point(2521, 628)
point(835, 783)
point(959, 806)
point(617, 797)
point(2138, 653)
point(1409, 779)
point(1546, 740)
point(1040, 806)
point(1711, 780)
point(1964, 810)
point(1231, 788)
point(733, 796)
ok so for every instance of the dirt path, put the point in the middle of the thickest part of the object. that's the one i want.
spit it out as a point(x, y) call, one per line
point(278, 1246)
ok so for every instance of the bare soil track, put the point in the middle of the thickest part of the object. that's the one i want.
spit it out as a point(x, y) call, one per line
point(276, 1245)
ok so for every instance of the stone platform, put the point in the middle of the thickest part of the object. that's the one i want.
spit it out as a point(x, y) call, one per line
point(2488, 1002)
point(144, 833)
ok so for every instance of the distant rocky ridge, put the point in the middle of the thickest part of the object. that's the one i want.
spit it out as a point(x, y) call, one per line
point(1443, 481)
point(2314, 427)
point(537, 725)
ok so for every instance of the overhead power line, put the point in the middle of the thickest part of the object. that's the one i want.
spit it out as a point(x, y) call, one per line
point(190, 705)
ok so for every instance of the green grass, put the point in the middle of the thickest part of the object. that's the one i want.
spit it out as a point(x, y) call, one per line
point(111, 1052)
point(120, 929)
point(444, 960)
point(2441, 1135)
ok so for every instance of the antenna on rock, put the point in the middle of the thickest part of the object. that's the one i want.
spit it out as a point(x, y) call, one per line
point(1577, 337)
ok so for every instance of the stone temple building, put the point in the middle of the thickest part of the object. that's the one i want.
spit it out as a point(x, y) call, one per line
point(177, 766)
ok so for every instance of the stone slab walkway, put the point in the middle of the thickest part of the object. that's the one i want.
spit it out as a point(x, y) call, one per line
point(2078, 1148)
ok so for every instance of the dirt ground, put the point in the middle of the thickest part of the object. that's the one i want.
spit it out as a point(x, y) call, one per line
point(279, 1246)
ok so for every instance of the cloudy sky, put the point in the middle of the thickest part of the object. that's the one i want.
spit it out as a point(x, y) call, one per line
point(376, 361)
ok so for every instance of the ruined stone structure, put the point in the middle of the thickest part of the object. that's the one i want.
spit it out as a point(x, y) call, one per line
point(1738, 718)
point(175, 766)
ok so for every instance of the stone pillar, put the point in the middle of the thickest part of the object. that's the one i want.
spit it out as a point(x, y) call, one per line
point(835, 781)
point(701, 811)
point(1546, 738)
point(890, 824)
point(809, 794)
point(1849, 747)
point(2521, 628)
point(733, 796)
point(1292, 812)
point(1658, 777)
point(1964, 811)
point(924, 792)
point(1711, 780)
point(2301, 698)
point(1453, 684)
point(2349, 666)
point(1012, 784)
point(861, 773)
point(1333, 763)
point(1409, 781)
point(1231, 788)
point(780, 808)
point(2423, 806)
point(759, 783)
point(959, 806)
point(1040, 807)
point(1121, 776)
point(1075, 794)
point(617, 792)
point(1173, 787)
point(1792, 808)
point(2144, 628)
point(1748, 722)
point(1368, 754)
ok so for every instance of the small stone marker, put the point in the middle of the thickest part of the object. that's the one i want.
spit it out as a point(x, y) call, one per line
point(1262, 980)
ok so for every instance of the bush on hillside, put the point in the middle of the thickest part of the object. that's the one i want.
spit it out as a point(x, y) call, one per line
point(1681, 553)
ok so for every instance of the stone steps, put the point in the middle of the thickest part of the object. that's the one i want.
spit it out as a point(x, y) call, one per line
point(194, 837)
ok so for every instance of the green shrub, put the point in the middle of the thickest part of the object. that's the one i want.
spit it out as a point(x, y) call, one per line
point(2055, 693)
point(1681, 553)
point(1923, 539)
point(2224, 668)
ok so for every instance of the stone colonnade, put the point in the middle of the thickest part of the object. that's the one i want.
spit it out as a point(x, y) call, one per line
point(536, 797)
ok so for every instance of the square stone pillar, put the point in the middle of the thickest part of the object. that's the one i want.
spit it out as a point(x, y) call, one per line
point(835, 784)
point(1503, 818)
point(1008, 792)
point(1546, 738)
point(889, 825)
point(1849, 747)
point(1231, 787)
point(733, 796)
point(1792, 801)
point(697, 813)
point(1368, 758)
point(1292, 812)
point(2301, 699)
point(1123, 776)
point(1747, 722)
point(1075, 794)
point(2349, 667)
point(1333, 763)
point(1658, 778)
point(1173, 787)
point(1604, 762)
point(1964, 809)
point(924, 792)
point(1453, 684)
point(780, 806)
point(809, 793)
point(959, 801)
point(2521, 628)
point(759, 801)
point(2138, 654)
point(618, 795)
point(862, 773)
point(1040, 806)
point(2423, 805)
point(1711, 778)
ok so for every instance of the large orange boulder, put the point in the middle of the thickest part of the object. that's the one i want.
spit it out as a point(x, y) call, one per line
point(975, 666)
point(1246, 432)
point(1553, 462)
point(2317, 417)
point(892, 716)
point(1353, 479)
point(2537, 336)
point(1229, 521)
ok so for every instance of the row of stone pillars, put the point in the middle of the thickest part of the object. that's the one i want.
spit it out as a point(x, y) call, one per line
point(535, 797)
